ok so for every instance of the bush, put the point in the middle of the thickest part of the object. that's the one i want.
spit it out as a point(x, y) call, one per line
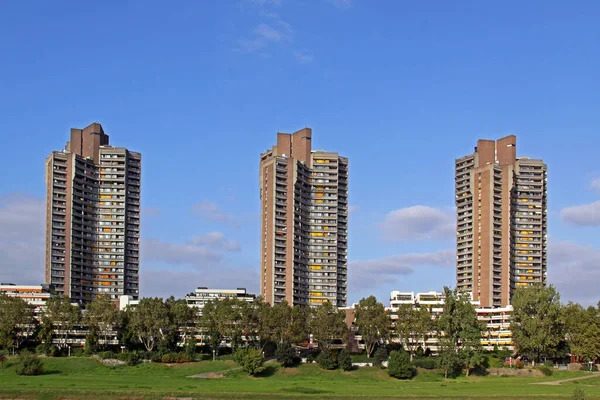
point(29, 364)
point(312, 357)
point(399, 365)
point(42, 349)
point(578, 394)
point(107, 355)
point(586, 367)
point(285, 354)
point(130, 358)
point(344, 360)
point(55, 352)
point(495, 362)
point(549, 363)
point(3, 358)
point(547, 371)
point(77, 352)
point(327, 360)
point(174, 358)
point(380, 356)
point(426, 363)
point(251, 360)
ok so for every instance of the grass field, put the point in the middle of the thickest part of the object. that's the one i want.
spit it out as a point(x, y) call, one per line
point(83, 378)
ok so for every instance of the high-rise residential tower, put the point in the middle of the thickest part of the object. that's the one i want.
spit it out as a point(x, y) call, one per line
point(501, 204)
point(304, 223)
point(93, 218)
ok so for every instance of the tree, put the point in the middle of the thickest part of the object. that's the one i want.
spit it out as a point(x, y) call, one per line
point(60, 316)
point(344, 360)
point(373, 324)
point(220, 320)
point(399, 365)
point(285, 354)
point(411, 327)
point(3, 358)
point(16, 321)
point(29, 364)
point(148, 320)
point(285, 324)
point(250, 359)
point(449, 359)
point(536, 321)
point(328, 324)
point(582, 329)
point(102, 316)
point(461, 329)
point(327, 360)
point(182, 319)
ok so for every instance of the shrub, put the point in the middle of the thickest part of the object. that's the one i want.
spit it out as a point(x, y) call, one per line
point(547, 371)
point(518, 364)
point(251, 360)
point(399, 365)
point(495, 362)
point(42, 349)
point(131, 358)
point(55, 352)
point(29, 364)
point(169, 358)
point(578, 394)
point(312, 357)
point(344, 360)
point(77, 352)
point(285, 354)
point(380, 356)
point(426, 363)
point(586, 367)
point(106, 355)
point(327, 360)
point(549, 363)
point(3, 358)
point(190, 348)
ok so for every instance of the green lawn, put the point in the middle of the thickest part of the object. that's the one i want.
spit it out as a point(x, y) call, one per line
point(82, 378)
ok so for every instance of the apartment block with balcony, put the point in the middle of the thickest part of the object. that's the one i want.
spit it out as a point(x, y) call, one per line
point(304, 223)
point(93, 218)
point(497, 320)
point(501, 240)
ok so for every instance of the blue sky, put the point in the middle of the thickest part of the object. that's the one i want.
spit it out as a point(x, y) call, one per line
point(402, 89)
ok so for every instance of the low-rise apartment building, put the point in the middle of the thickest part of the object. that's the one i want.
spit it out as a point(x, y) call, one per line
point(497, 320)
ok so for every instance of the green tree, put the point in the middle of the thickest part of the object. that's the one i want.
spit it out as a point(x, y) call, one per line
point(60, 317)
point(449, 359)
point(411, 326)
point(182, 322)
point(285, 324)
point(399, 365)
point(222, 319)
point(285, 354)
point(461, 329)
point(536, 322)
point(101, 315)
point(16, 321)
point(373, 323)
point(344, 360)
point(328, 324)
point(29, 364)
point(582, 327)
point(148, 320)
point(250, 359)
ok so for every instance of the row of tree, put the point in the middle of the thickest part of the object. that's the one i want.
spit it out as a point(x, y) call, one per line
point(541, 326)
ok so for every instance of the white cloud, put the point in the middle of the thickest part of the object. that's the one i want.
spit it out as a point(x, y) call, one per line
point(596, 184)
point(303, 56)
point(22, 235)
point(352, 209)
point(575, 271)
point(216, 240)
point(583, 215)
point(209, 211)
point(375, 272)
point(418, 223)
